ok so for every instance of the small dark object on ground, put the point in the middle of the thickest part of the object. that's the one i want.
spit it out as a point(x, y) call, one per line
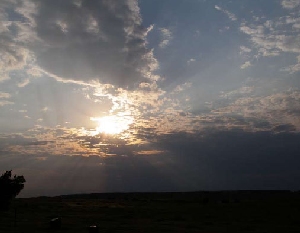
point(93, 229)
point(55, 223)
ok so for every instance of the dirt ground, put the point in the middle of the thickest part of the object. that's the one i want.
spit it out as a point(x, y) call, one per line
point(207, 212)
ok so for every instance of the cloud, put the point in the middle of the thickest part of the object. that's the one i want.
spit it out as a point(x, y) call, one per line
point(5, 102)
point(150, 152)
point(239, 92)
point(293, 68)
point(290, 4)
point(3, 99)
point(61, 141)
point(190, 61)
point(4, 95)
point(182, 87)
point(281, 108)
point(273, 42)
point(13, 34)
point(78, 40)
point(230, 15)
point(167, 36)
point(275, 37)
point(246, 65)
point(244, 49)
point(24, 82)
point(247, 108)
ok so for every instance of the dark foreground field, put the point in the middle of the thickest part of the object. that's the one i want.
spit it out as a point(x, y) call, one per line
point(207, 212)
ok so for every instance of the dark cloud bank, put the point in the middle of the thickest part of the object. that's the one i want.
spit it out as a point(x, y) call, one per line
point(217, 161)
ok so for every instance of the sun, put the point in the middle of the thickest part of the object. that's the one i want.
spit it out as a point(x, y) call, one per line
point(112, 124)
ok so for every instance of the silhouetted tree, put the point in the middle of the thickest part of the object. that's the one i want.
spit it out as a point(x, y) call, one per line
point(10, 187)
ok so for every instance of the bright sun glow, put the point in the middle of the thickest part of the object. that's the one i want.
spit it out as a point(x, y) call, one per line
point(112, 124)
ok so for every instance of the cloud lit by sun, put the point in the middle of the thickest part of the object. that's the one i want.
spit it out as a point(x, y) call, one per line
point(114, 124)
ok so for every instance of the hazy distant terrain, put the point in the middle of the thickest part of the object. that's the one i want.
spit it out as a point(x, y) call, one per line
point(259, 211)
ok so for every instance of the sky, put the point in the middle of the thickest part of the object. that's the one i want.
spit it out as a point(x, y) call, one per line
point(150, 95)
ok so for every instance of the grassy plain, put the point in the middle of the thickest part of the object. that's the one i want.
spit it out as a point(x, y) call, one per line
point(207, 212)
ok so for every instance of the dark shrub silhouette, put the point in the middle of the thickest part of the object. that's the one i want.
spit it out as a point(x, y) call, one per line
point(10, 187)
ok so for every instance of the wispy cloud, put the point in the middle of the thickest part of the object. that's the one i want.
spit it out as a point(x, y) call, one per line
point(239, 91)
point(230, 15)
point(4, 95)
point(246, 65)
point(293, 68)
point(166, 36)
point(290, 4)
point(3, 99)
point(244, 49)
point(5, 102)
point(190, 61)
